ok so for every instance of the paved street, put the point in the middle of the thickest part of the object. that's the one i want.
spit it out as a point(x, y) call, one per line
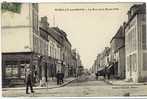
point(83, 88)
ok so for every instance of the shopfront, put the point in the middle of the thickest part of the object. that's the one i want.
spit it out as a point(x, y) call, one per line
point(15, 66)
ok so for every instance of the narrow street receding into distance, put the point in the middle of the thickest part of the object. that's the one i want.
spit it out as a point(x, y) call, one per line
point(84, 86)
point(74, 49)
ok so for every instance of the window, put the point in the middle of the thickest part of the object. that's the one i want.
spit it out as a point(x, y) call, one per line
point(131, 40)
point(128, 63)
point(11, 71)
point(145, 61)
point(134, 39)
point(134, 62)
point(35, 18)
point(126, 44)
point(22, 71)
point(144, 37)
point(49, 48)
point(8, 71)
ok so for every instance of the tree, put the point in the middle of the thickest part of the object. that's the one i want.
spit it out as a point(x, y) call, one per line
point(13, 7)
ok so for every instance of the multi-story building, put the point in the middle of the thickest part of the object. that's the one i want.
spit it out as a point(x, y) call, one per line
point(96, 64)
point(117, 53)
point(43, 62)
point(51, 45)
point(94, 67)
point(67, 57)
point(21, 41)
point(65, 49)
point(28, 45)
point(104, 57)
point(136, 44)
point(55, 45)
point(59, 51)
point(102, 60)
point(74, 63)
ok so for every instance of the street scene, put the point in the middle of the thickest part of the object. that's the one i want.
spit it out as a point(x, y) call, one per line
point(74, 49)
point(87, 87)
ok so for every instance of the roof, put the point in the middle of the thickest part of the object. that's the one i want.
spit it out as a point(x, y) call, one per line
point(119, 34)
point(139, 9)
point(62, 33)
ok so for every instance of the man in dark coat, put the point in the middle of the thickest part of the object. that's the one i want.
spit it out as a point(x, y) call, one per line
point(29, 83)
point(96, 74)
point(62, 77)
point(58, 77)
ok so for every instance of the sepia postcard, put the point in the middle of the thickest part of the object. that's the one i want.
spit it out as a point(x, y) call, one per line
point(73, 49)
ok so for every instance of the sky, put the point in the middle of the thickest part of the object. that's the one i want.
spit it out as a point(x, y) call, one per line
point(89, 31)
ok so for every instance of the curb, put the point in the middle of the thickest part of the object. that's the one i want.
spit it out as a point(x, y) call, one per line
point(36, 88)
point(135, 84)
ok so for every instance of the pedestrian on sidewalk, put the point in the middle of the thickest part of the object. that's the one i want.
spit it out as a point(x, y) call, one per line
point(62, 77)
point(96, 74)
point(108, 74)
point(58, 77)
point(29, 82)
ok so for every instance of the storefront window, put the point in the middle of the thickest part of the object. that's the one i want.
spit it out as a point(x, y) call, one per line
point(8, 71)
point(11, 71)
point(15, 71)
point(22, 71)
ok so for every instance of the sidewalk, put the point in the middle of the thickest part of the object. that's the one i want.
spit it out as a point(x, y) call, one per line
point(51, 85)
point(123, 83)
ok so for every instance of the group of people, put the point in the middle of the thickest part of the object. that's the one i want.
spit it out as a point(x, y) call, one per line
point(60, 77)
point(103, 73)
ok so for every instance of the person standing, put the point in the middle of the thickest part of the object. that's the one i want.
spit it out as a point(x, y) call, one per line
point(62, 77)
point(58, 77)
point(29, 83)
point(96, 74)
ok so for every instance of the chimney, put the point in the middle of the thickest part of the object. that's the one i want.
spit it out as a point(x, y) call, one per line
point(44, 22)
point(44, 19)
point(129, 14)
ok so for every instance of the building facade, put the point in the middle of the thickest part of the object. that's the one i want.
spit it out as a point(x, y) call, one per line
point(65, 51)
point(136, 44)
point(102, 61)
point(19, 35)
point(74, 63)
point(28, 44)
point(50, 61)
point(118, 53)
point(96, 64)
